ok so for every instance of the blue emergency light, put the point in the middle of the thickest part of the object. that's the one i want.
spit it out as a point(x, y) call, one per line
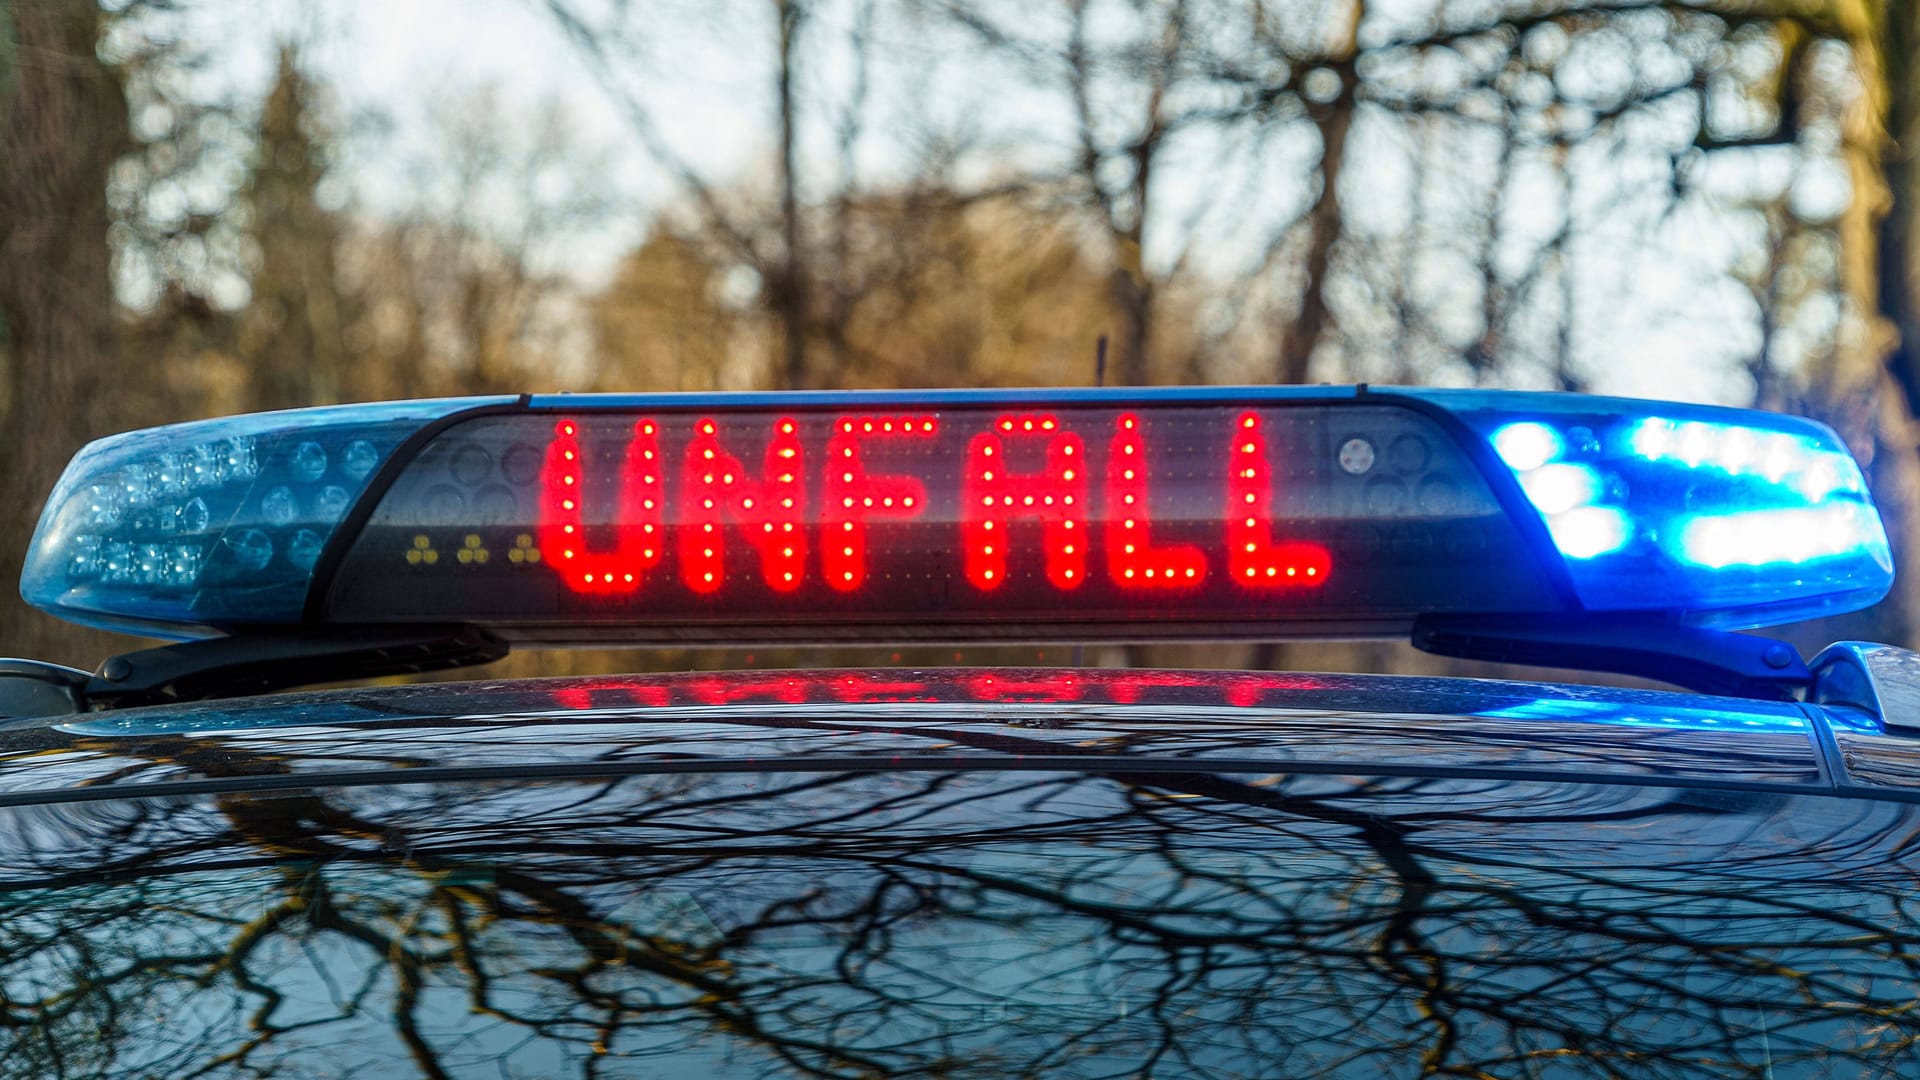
point(961, 515)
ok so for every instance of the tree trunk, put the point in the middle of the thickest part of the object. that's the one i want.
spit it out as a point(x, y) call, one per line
point(1875, 351)
point(1323, 233)
point(791, 286)
point(1897, 247)
point(63, 122)
point(1132, 298)
point(1898, 231)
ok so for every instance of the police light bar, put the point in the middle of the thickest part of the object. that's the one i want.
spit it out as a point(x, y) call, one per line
point(961, 515)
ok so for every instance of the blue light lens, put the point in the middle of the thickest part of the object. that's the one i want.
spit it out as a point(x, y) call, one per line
point(1717, 516)
point(1770, 537)
point(1527, 445)
point(1588, 532)
point(213, 524)
point(1559, 489)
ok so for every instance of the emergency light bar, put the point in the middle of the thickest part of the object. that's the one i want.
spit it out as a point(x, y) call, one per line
point(960, 515)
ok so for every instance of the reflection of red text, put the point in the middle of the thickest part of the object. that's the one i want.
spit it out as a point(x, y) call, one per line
point(612, 694)
point(856, 689)
point(1014, 686)
point(1127, 688)
point(1243, 691)
point(1237, 689)
point(786, 690)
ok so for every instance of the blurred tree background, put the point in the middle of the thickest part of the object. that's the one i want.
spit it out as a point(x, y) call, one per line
point(1709, 199)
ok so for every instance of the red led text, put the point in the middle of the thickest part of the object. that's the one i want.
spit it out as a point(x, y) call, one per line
point(1006, 497)
point(771, 510)
point(637, 534)
point(993, 497)
point(1132, 559)
point(1254, 558)
point(852, 496)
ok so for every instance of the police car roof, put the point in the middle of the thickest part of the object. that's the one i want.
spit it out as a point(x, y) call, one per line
point(973, 719)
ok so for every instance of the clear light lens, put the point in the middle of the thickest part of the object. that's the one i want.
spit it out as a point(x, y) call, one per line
point(309, 461)
point(359, 458)
point(304, 549)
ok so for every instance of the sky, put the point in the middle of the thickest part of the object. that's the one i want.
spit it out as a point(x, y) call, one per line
point(1653, 319)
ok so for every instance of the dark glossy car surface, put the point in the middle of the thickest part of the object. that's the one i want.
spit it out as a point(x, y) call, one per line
point(963, 873)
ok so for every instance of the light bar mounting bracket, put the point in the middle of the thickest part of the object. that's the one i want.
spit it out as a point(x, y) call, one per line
point(258, 663)
point(1709, 661)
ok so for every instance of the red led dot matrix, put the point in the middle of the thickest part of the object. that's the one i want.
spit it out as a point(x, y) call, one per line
point(1254, 561)
point(770, 510)
point(1132, 560)
point(638, 536)
point(852, 497)
point(992, 497)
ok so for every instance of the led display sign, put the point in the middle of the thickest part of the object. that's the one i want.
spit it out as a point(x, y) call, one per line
point(1224, 518)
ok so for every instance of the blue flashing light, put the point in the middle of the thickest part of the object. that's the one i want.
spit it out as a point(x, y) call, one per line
point(1588, 532)
point(1527, 445)
point(218, 523)
point(1815, 467)
point(1778, 536)
point(1557, 489)
point(1722, 517)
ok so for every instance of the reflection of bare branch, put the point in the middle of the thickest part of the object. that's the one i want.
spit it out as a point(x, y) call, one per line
point(864, 924)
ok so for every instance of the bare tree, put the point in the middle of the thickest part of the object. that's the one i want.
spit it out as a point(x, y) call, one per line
point(63, 124)
point(292, 337)
point(775, 247)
